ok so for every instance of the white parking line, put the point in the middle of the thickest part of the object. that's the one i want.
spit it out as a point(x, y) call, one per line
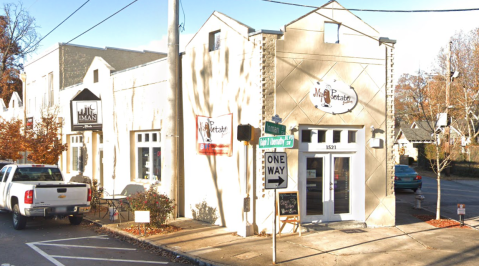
point(52, 259)
point(118, 260)
point(48, 257)
point(80, 246)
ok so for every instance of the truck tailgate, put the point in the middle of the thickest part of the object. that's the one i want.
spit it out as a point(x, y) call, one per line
point(60, 194)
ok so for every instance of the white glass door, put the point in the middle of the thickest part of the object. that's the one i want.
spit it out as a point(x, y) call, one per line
point(325, 182)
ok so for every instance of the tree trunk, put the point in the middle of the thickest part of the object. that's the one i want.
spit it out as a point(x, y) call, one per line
point(438, 177)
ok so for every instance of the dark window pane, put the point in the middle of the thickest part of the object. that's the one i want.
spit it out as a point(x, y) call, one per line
point(351, 136)
point(155, 137)
point(143, 163)
point(147, 137)
point(336, 136)
point(139, 137)
point(306, 136)
point(341, 185)
point(314, 186)
point(321, 136)
point(157, 163)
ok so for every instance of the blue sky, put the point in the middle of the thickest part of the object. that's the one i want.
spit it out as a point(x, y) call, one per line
point(143, 25)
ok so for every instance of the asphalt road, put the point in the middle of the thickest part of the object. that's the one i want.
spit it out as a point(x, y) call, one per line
point(56, 242)
point(452, 193)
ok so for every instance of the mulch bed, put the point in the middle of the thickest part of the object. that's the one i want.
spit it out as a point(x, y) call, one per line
point(150, 231)
point(441, 223)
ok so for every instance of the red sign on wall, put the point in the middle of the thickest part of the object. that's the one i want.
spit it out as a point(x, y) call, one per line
point(214, 135)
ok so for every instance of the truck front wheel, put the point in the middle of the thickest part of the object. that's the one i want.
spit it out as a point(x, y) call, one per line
point(19, 221)
point(75, 219)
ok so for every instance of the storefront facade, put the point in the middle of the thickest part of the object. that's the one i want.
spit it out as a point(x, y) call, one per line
point(329, 77)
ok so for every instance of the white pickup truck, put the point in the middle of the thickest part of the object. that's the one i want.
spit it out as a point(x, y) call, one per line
point(40, 191)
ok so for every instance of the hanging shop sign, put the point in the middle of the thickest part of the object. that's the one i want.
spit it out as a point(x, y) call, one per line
point(86, 111)
point(29, 123)
point(214, 135)
point(335, 97)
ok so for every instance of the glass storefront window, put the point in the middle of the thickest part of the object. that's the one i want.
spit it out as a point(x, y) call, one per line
point(341, 185)
point(76, 143)
point(148, 154)
point(314, 186)
point(157, 164)
point(143, 163)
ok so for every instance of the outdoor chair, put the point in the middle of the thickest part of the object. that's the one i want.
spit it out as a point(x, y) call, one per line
point(128, 191)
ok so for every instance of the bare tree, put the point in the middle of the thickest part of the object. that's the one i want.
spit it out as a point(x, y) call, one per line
point(424, 101)
point(18, 38)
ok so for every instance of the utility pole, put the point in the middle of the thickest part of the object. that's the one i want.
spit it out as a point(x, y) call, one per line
point(169, 126)
point(23, 76)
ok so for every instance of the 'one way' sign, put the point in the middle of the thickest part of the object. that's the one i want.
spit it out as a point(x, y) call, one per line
point(276, 166)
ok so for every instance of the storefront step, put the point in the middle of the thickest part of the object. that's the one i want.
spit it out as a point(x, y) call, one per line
point(343, 225)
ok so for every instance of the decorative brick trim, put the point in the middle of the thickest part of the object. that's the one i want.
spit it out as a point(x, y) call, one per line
point(390, 119)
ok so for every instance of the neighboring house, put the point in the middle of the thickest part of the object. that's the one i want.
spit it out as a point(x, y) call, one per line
point(410, 142)
point(124, 146)
point(65, 65)
point(14, 109)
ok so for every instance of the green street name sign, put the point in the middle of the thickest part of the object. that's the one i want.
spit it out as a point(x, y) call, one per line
point(285, 141)
point(274, 129)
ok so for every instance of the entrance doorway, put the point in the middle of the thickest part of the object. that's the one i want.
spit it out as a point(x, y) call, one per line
point(327, 186)
point(331, 183)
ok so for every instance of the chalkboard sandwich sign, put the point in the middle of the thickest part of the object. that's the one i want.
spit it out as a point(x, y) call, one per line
point(288, 207)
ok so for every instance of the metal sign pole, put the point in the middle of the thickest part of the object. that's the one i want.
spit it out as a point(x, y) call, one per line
point(274, 229)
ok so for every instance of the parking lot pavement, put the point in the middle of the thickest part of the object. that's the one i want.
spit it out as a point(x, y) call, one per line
point(94, 249)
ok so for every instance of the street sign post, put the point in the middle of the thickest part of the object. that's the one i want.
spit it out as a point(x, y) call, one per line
point(284, 141)
point(276, 166)
point(277, 119)
point(276, 176)
point(274, 129)
point(461, 211)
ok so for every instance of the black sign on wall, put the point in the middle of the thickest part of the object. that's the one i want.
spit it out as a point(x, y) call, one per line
point(86, 111)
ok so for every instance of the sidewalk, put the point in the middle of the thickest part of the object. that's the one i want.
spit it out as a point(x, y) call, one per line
point(410, 242)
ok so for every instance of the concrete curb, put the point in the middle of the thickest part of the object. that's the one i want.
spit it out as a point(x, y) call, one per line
point(472, 227)
point(193, 259)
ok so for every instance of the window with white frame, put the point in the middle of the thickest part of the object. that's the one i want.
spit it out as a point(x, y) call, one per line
point(76, 158)
point(45, 90)
point(51, 98)
point(148, 154)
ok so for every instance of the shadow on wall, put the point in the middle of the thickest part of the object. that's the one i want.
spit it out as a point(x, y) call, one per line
point(204, 213)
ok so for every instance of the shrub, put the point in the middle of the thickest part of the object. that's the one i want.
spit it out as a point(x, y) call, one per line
point(95, 194)
point(159, 205)
point(204, 213)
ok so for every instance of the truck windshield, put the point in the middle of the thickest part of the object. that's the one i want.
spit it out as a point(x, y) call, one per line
point(37, 174)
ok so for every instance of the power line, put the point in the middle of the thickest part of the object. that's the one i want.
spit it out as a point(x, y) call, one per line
point(102, 21)
point(182, 25)
point(380, 10)
point(85, 31)
point(62, 22)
